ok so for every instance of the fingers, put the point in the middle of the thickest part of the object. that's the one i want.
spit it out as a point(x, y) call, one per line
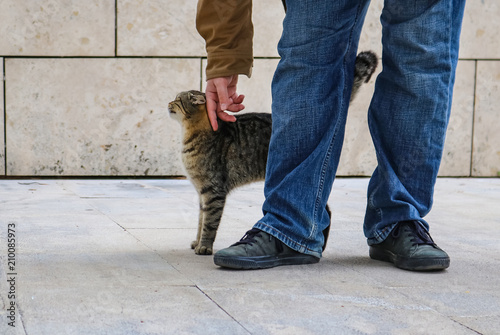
point(236, 103)
point(238, 99)
point(221, 86)
point(221, 96)
point(212, 113)
point(225, 117)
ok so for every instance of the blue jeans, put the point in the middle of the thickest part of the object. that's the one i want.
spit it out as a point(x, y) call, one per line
point(408, 115)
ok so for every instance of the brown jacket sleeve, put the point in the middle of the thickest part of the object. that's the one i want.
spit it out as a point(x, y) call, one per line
point(226, 26)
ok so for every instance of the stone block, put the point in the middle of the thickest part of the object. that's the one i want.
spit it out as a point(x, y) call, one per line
point(57, 28)
point(158, 28)
point(257, 90)
point(457, 149)
point(267, 18)
point(168, 28)
point(371, 34)
point(479, 39)
point(486, 142)
point(92, 117)
point(2, 128)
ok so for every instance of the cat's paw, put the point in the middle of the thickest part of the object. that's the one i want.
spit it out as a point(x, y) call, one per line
point(203, 250)
point(200, 248)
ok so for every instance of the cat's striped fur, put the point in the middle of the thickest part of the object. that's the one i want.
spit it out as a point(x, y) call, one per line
point(234, 155)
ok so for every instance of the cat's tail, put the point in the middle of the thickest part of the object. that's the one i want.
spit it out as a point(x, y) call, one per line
point(366, 64)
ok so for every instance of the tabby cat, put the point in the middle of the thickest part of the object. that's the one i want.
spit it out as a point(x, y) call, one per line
point(234, 155)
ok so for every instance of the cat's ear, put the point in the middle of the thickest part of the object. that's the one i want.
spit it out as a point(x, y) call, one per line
point(196, 99)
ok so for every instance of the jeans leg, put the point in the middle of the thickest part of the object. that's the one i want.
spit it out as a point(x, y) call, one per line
point(409, 112)
point(311, 90)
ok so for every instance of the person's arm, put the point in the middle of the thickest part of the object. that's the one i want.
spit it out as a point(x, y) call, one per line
point(226, 26)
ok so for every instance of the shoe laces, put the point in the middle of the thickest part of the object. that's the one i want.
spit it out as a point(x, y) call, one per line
point(250, 238)
point(418, 234)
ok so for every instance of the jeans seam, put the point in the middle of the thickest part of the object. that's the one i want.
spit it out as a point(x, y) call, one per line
point(342, 118)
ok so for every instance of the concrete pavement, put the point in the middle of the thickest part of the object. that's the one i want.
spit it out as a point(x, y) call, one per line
point(109, 256)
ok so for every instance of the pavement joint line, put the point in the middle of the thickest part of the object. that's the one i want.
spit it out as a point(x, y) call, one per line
point(222, 309)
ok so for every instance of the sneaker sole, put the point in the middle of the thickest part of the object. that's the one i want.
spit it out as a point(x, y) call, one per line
point(264, 262)
point(412, 264)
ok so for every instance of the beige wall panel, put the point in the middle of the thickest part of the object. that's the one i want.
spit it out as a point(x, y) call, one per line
point(61, 112)
point(267, 18)
point(57, 28)
point(2, 128)
point(257, 90)
point(90, 117)
point(480, 30)
point(457, 149)
point(167, 28)
point(486, 149)
point(158, 28)
point(371, 35)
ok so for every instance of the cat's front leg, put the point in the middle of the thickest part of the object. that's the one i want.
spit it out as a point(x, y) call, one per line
point(212, 208)
point(195, 243)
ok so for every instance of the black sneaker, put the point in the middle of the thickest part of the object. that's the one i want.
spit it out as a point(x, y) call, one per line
point(259, 250)
point(410, 247)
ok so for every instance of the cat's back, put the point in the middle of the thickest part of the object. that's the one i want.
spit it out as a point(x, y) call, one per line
point(254, 123)
point(236, 152)
point(255, 118)
point(251, 131)
point(244, 146)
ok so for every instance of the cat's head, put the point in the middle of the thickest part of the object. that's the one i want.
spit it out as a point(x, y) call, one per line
point(188, 105)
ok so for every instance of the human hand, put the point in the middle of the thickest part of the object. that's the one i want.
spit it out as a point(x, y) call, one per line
point(221, 96)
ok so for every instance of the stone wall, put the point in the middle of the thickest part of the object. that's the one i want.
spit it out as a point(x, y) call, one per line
point(87, 83)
